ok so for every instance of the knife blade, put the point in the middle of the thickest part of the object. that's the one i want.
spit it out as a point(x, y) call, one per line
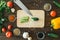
point(22, 6)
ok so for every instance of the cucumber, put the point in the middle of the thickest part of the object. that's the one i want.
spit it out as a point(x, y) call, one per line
point(24, 19)
point(53, 35)
point(35, 18)
point(56, 3)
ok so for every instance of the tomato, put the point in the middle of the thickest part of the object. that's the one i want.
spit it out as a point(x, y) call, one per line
point(3, 29)
point(8, 34)
point(9, 27)
point(10, 4)
point(53, 13)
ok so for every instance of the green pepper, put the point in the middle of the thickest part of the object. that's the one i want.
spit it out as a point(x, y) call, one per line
point(53, 35)
point(35, 18)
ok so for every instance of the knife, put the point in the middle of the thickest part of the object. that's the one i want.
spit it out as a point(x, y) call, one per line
point(22, 6)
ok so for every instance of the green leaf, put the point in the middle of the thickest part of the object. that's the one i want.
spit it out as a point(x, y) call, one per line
point(8, 10)
point(0, 28)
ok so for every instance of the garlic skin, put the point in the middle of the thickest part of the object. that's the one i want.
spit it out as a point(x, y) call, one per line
point(12, 10)
point(25, 35)
point(29, 38)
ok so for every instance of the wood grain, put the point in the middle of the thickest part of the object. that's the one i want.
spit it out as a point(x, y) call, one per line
point(32, 4)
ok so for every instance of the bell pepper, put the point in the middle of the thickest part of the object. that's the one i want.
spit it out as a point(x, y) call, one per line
point(55, 23)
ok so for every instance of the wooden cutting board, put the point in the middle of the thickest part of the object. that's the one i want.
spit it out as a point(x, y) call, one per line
point(31, 24)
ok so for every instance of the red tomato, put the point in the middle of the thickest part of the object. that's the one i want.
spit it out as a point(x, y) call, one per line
point(9, 27)
point(8, 34)
point(3, 29)
point(53, 13)
point(10, 4)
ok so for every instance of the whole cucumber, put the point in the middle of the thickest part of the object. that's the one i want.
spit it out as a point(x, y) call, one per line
point(53, 35)
point(56, 3)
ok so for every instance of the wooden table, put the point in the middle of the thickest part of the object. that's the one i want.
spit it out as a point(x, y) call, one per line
point(33, 4)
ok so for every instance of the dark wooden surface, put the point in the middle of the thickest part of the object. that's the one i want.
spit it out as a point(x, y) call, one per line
point(36, 5)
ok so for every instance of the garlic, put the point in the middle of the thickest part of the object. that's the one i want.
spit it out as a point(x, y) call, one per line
point(12, 10)
point(25, 35)
point(2, 19)
point(29, 38)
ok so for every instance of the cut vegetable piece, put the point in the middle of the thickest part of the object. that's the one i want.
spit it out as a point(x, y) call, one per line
point(24, 19)
point(35, 18)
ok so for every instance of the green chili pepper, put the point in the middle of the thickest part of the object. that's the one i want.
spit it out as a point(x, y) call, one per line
point(53, 35)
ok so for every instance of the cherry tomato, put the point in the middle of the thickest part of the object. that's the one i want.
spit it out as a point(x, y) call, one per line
point(8, 34)
point(53, 13)
point(9, 27)
point(3, 29)
point(10, 4)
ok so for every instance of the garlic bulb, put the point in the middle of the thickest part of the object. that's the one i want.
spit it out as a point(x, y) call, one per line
point(12, 10)
point(25, 35)
point(29, 38)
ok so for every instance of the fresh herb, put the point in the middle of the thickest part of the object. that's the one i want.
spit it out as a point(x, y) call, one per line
point(3, 6)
